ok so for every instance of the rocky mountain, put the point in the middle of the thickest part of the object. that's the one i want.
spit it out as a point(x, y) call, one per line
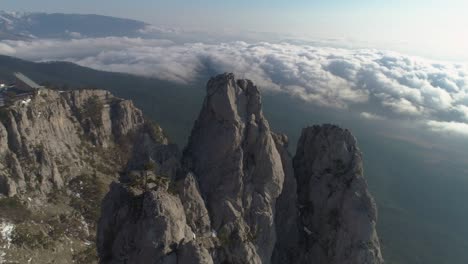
point(27, 26)
point(234, 195)
point(337, 213)
point(59, 151)
point(237, 196)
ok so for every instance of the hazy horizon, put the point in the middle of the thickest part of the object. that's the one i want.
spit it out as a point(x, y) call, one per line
point(435, 29)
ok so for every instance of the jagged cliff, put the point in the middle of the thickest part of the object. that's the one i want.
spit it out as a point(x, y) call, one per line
point(237, 196)
point(234, 195)
point(59, 151)
point(337, 213)
point(53, 132)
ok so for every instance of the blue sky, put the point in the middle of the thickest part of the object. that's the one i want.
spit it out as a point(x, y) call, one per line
point(138, 8)
point(435, 28)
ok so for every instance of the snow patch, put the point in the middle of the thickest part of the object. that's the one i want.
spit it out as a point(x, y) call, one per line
point(25, 102)
point(6, 233)
point(84, 225)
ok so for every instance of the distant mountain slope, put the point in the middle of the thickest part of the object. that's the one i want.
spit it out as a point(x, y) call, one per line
point(155, 97)
point(14, 25)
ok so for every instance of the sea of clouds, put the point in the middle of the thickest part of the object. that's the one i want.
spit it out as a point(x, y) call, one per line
point(387, 85)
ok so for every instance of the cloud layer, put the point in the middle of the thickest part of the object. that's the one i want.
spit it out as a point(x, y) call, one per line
point(385, 84)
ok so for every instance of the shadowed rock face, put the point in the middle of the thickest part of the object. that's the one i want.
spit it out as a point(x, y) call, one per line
point(238, 197)
point(286, 218)
point(337, 213)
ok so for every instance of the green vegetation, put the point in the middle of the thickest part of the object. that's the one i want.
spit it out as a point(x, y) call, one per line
point(29, 236)
point(172, 188)
point(86, 256)
point(155, 131)
point(3, 115)
point(224, 237)
point(89, 191)
point(66, 225)
point(56, 196)
point(13, 209)
point(92, 110)
point(149, 182)
point(149, 166)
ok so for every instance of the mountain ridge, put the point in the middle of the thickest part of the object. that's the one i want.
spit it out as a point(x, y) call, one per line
point(233, 170)
point(32, 25)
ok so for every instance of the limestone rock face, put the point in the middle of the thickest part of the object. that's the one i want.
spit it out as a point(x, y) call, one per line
point(53, 133)
point(59, 151)
point(234, 157)
point(198, 217)
point(237, 196)
point(138, 228)
point(337, 213)
point(193, 253)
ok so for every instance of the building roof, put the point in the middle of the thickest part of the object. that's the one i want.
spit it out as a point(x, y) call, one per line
point(27, 81)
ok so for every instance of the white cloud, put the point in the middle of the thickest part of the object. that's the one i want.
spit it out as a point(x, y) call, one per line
point(7, 49)
point(394, 85)
point(402, 106)
point(371, 116)
point(463, 110)
point(448, 127)
point(73, 34)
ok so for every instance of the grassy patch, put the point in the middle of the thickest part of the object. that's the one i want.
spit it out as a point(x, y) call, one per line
point(89, 191)
point(13, 209)
point(86, 256)
point(225, 237)
point(151, 182)
point(66, 225)
point(30, 237)
point(155, 131)
point(92, 110)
